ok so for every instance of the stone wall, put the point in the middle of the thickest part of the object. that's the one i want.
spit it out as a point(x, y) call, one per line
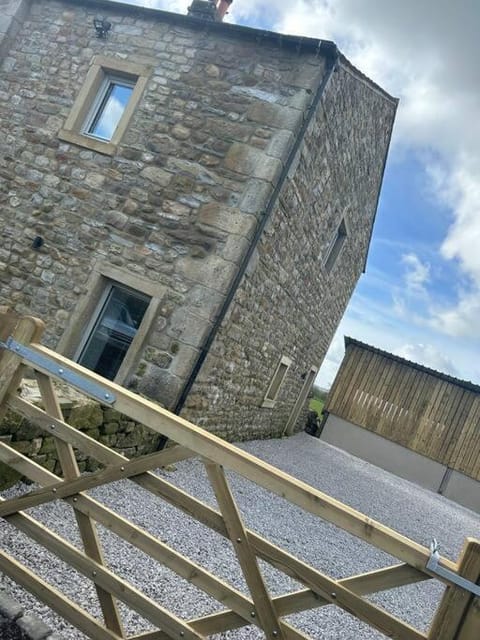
point(288, 304)
point(104, 424)
point(175, 208)
point(176, 205)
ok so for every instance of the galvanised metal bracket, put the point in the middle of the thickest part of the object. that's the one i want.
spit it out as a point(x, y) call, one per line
point(93, 389)
point(451, 576)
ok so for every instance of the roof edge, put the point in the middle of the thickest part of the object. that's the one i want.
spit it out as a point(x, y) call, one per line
point(300, 43)
point(465, 384)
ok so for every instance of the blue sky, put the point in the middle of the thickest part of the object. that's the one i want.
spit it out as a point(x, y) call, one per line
point(420, 295)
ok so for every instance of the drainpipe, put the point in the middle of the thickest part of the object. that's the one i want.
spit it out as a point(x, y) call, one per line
point(332, 55)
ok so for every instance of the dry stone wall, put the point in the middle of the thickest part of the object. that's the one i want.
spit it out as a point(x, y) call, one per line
point(104, 424)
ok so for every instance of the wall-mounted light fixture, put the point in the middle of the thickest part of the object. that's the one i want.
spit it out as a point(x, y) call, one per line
point(102, 27)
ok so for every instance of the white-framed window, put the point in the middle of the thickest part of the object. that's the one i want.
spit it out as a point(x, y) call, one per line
point(108, 107)
point(335, 246)
point(112, 329)
point(276, 382)
point(105, 104)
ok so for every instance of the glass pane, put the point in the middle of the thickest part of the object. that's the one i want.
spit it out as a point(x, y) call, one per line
point(113, 332)
point(110, 110)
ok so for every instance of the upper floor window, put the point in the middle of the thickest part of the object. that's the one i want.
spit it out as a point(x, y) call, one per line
point(108, 107)
point(105, 104)
point(335, 246)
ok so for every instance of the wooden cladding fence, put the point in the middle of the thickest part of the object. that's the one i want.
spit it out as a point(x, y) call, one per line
point(458, 615)
point(429, 413)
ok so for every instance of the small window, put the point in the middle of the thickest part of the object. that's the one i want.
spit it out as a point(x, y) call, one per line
point(105, 104)
point(277, 380)
point(335, 246)
point(108, 108)
point(112, 330)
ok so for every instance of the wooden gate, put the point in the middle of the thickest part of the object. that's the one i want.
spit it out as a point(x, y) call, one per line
point(458, 615)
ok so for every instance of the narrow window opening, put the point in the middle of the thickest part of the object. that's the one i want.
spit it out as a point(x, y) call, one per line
point(276, 382)
point(114, 326)
point(335, 246)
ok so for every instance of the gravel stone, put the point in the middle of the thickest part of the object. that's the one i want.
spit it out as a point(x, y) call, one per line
point(406, 507)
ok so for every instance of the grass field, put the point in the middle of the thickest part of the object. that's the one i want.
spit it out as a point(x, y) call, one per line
point(316, 405)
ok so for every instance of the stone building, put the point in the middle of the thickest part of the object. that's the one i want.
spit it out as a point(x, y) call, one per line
point(187, 203)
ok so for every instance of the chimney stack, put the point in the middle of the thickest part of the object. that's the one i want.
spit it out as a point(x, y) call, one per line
point(223, 7)
point(208, 9)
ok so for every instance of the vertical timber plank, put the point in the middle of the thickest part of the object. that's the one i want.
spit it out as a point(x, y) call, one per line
point(86, 526)
point(457, 605)
point(470, 629)
point(24, 330)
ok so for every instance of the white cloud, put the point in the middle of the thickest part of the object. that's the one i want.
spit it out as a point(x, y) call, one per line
point(417, 274)
point(427, 355)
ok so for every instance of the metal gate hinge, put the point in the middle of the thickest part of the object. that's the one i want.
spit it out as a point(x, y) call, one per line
point(92, 389)
point(451, 576)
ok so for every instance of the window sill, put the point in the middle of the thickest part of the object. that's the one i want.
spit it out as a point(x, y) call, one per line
point(268, 404)
point(107, 148)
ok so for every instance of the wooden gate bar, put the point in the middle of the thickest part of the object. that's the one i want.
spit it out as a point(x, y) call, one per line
point(365, 583)
point(328, 588)
point(264, 608)
point(66, 488)
point(56, 600)
point(76, 438)
point(86, 527)
point(471, 623)
point(295, 568)
point(131, 596)
point(217, 450)
point(458, 617)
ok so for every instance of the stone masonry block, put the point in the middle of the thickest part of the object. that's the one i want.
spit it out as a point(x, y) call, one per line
point(307, 76)
point(212, 271)
point(33, 628)
point(9, 608)
point(183, 363)
point(243, 158)
point(255, 197)
point(235, 248)
point(269, 170)
point(275, 115)
point(204, 302)
point(156, 175)
point(280, 144)
point(227, 219)
point(188, 328)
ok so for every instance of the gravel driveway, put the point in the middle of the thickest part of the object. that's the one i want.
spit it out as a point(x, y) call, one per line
point(413, 511)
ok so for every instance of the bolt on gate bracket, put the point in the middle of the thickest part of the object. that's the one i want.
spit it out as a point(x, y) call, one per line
point(451, 576)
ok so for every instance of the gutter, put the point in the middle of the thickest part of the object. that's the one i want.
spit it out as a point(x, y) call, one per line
point(331, 52)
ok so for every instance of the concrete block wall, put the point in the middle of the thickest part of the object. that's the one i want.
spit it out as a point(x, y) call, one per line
point(401, 461)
